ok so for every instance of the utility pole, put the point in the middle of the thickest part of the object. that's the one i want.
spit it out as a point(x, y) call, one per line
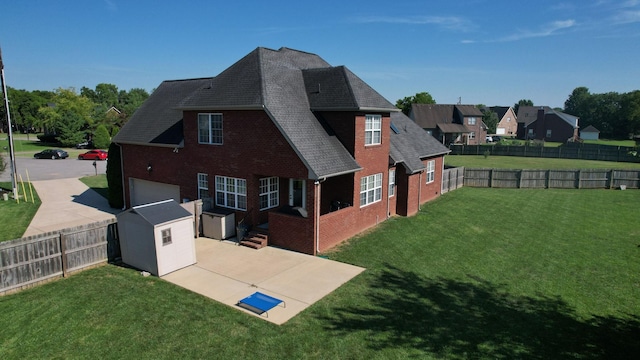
point(12, 158)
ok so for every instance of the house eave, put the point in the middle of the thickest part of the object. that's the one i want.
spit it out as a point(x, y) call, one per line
point(358, 109)
point(221, 107)
point(172, 146)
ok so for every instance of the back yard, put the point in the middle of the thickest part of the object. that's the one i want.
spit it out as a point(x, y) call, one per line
point(478, 273)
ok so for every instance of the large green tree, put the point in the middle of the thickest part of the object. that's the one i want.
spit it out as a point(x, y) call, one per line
point(489, 117)
point(419, 98)
point(522, 102)
point(69, 116)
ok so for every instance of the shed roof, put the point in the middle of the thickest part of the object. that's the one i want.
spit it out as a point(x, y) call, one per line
point(591, 129)
point(161, 212)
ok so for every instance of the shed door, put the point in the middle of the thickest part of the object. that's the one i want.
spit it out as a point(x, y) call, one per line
point(145, 192)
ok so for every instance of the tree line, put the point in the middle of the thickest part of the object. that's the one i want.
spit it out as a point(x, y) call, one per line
point(70, 116)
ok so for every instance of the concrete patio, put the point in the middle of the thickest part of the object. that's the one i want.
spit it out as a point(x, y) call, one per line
point(227, 273)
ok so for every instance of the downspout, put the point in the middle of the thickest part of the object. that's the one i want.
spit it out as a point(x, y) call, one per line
point(317, 222)
point(420, 190)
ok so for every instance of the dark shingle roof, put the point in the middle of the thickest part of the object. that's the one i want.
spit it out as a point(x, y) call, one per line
point(468, 110)
point(500, 110)
point(157, 121)
point(410, 143)
point(284, 84)
point(161, 212)
point(529, 114)
point(428, 116)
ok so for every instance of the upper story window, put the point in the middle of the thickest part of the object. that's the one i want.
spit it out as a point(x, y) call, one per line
point(373, 130)
point(370, 189)
point(210, 129)
point(471, 121)
point(269, 191)
point(548, 133)
point(231, 192)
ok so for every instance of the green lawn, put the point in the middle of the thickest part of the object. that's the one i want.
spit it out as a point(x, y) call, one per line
point(478, 273)
point(97, 183)
point(15, 216)
point(516, 162)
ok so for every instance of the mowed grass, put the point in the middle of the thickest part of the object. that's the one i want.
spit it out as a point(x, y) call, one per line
point(16, 216)
point(98, 183)
point(478, 273)
point(517, 162)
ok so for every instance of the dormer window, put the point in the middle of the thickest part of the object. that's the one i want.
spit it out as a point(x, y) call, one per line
point(373, 130)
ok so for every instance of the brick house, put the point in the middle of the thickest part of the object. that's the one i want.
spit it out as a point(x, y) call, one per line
point(507, 120)
point(292, 144)
point(451, 124)
point(544, 123)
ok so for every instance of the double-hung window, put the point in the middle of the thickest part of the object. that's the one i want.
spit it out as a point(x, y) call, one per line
point(471, 121)
point(392, 182)
point(431, 171)
point(373, 129)
point(166, 236)
point(269, 192)
point(370, 189)
point(231, 192)
point(210, 129)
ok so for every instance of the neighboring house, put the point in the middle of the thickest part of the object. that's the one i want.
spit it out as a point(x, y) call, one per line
point(451, 124)
point(590, 133)
point(507, 120)
point(292, 144)
point(544, 123)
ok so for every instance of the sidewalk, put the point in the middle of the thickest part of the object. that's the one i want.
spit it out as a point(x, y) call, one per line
point(67, 203)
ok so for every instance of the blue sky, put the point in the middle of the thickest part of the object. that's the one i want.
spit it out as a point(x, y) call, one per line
point(482, 51)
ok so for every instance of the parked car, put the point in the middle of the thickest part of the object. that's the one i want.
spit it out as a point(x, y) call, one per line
point(489, 138)
point(84, 145)
point(51, 154)
point(94, 155)
point(497, 138)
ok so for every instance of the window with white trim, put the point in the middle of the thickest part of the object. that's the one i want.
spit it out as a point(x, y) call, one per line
point(373, 129)
point(431, 171)
point(472, 135)
point(203, 191)
point(370, 189)
point(203, 186)
point(166, 236)
point(269, 192)
point(392, 182)
point(210, 129)
point(471, 121)
point(231, 192)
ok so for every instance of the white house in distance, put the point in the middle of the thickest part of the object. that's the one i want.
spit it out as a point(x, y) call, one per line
point(590, 133)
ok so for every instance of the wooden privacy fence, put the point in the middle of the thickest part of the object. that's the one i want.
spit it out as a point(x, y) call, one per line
point(452, 179)
point(558, 179)
point(566, 151)
point(31, 260)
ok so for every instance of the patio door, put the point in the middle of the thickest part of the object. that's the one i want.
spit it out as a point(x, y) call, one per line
point(297, 193)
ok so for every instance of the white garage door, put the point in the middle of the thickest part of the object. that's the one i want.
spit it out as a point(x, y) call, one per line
point(500, 131)
point(145, 192)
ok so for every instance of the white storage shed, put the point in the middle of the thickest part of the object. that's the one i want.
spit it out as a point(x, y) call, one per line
point(157, 237)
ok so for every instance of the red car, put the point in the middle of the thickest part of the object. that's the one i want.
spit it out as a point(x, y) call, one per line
point(94, 155)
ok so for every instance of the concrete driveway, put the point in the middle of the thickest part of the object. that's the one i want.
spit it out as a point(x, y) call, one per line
point(67, 203)
point(227, 273)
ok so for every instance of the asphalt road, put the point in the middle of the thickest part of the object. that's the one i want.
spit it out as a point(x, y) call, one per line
point(47, 169)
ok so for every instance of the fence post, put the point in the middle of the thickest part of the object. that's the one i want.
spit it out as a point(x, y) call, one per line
point(580, 179)
point(63, 253)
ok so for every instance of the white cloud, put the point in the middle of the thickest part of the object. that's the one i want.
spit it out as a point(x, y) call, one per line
point(626, 17)
point(547, 30)
point(447, 22)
